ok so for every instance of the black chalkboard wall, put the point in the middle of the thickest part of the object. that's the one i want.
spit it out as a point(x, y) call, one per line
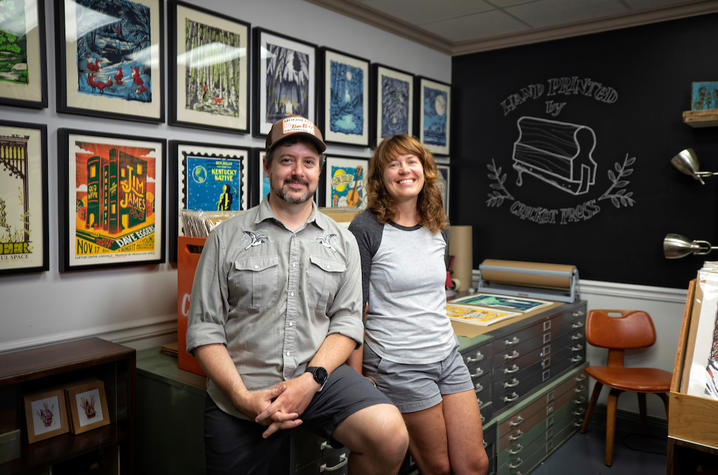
point(561, 151)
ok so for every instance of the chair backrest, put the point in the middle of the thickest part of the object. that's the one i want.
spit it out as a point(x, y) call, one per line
point(620, 329)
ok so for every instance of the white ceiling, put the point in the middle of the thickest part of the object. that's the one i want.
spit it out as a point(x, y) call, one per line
point(466, 26)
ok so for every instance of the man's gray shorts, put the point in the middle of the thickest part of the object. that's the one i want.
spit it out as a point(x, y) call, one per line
point(415, 387)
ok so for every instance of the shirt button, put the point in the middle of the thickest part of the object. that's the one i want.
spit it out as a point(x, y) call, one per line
point(294, 264)
point(256, 266)
point(291, 294)
point(289, 353)
point(291, 324)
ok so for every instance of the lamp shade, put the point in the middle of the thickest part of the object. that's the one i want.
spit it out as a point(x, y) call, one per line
point(686, 162)
point(676, 246)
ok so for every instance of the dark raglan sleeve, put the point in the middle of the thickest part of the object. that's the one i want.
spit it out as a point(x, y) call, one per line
point(368, 232)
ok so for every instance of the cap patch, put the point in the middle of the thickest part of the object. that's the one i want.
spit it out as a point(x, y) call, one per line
point(292, 125)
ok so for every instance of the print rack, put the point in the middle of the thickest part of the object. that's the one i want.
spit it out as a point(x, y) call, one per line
point(529, 279)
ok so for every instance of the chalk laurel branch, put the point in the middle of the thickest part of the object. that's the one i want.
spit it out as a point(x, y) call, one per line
point(617, 192)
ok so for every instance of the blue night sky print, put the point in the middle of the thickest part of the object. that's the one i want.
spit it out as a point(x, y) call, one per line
point(435, 116)
point(206, 178)
point(394, 106)
point(346, 108)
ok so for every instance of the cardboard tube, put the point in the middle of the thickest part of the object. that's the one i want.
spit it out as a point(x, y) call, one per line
point(461, 247)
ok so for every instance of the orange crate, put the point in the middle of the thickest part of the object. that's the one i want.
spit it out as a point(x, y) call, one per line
point(188, 252)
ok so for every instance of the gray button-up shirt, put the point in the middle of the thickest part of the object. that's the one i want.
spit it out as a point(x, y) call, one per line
point(271, 296)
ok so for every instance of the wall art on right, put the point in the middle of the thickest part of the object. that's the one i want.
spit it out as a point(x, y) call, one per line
point(434, 114)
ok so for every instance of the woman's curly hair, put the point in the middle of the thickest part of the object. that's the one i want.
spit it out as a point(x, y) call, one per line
point(429, 204)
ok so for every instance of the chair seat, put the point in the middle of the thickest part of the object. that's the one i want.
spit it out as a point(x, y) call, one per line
point(645, 380)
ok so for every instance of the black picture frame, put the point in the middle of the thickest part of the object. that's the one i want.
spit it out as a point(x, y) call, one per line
point(23, 177)
point(352, 75)
point(335, 165)
point(259, 182)
point(235, 69)
point(262, 116)
point(432, 121)
point(391, 99)
point(32, 94)
point(115, 230)
point(180, 151)
point(123, 90)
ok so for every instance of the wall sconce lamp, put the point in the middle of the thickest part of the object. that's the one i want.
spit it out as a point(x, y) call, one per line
point(676, 246)
point(686, 162)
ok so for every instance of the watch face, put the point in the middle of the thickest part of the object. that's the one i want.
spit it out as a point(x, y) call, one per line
point(319, 373)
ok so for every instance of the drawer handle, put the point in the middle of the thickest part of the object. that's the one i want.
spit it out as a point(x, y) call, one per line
point(511, 356)
point(511, 384)
point(516, 449)
point(484, 442)
point(511, 370)
point(580, 377)
point(481, 403)
point(518, 421)
point(577, 324)
point(576, 359)
point(477, 357)
point(579, 400)
point(578, 313)
point(577, 336)
point(578, 347)
point(516, 436)
point(479, 387)
point(479, 372)
point(511, 398)
point(516, 464)
point(343, 460)
point(579, 411)
point(325, 445)
point(512, 341)
point(579, 388)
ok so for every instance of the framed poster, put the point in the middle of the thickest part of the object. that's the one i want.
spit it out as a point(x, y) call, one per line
point(87, 404)
point(23, 76)
point(345, 182)
point(209, 69)
point(344, 98)
point(45, 415)
point(23, 198)
point(284, 79)
point(206, 178)
point(259, 181)
point(443, 184)
point(110, 58)
point(111, 199)
point(434, 115)
point(393, 109)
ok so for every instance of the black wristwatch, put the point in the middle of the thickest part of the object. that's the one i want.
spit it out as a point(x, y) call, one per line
point(320, 375)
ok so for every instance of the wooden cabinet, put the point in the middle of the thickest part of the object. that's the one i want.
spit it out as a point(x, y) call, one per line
point(111, 447)
point(519, 359)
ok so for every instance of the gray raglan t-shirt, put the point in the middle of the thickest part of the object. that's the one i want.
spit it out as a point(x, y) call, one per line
point(403, 276)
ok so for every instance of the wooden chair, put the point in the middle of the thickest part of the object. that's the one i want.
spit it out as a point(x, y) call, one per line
point(626, 329)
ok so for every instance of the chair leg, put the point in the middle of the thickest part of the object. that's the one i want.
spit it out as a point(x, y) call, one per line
point(642, 411)
point(611, 424)
point(591, 404)
point(664, 398)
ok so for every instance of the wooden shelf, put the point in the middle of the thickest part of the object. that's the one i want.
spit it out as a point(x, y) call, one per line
point(701, 118)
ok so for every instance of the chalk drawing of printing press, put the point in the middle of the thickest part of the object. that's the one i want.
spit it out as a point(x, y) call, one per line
point(558, 153)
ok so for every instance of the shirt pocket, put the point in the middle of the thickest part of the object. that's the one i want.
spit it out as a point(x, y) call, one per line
point(325, 276)
point(256, 279)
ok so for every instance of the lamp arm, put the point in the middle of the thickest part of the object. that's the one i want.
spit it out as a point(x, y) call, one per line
point(706, 173)
point(703, 247)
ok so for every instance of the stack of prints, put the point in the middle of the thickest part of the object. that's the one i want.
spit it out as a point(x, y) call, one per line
point(487, 309)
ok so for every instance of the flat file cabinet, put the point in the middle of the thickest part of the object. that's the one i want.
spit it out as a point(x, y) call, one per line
point(516, 359)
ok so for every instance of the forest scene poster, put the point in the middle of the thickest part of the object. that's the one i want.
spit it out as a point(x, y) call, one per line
point(209, 70)
point(22, 61)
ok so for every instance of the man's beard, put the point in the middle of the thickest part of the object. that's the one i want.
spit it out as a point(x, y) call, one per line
point(283, 193)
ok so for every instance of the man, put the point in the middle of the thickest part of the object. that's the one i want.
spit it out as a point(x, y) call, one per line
point(275, 312)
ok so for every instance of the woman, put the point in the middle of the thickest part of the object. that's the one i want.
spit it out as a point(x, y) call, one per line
point(410, 350)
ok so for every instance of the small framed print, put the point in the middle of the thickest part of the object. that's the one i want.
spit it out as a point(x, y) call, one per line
point(344, 98)
point(393, 102)
point(111, 198)
point(87, 404)
point(434, 115)
point(45, 415)
point(206, 178)
point(110, 58)
point(23, 198)
point(345, 182)
point(23, 76)
point(284, 79)
point(209, 69)
point(259, 178)
point(443, 184)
